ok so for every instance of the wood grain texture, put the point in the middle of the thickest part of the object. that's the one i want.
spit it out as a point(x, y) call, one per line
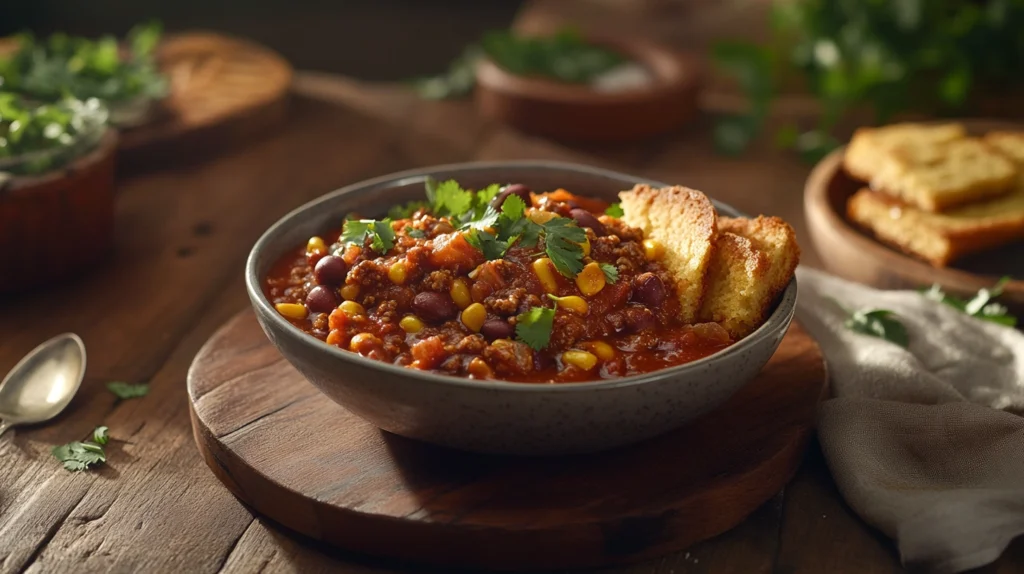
point(40, 216)
point(297, 457)
point(854, 254)
point(223, 92)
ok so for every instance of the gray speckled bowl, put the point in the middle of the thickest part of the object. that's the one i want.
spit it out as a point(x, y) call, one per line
point(495, 416)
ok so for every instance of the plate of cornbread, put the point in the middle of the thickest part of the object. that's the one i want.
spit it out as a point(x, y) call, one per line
point(913, 204)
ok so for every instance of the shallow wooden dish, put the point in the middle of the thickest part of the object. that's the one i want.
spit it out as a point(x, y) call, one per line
point(295, 456)
point(854, 254)
point(577, 113)
point(57, 224)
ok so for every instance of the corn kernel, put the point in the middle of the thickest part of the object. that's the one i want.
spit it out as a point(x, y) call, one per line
point(349, 292)
point(603, 350)
point(572, 303)
point(586, 247)
point(653, 249)
point(479, 369)
point(411, 324)
point(546, 274)
point(473, 317)
point(540, 217)
point(352, 309)
point(397, 272)
point(580, 359)
point(460, 293)
point(336, 337)
point(295, 311)
point(364, 343)
point(316, 245)
point(591, 279)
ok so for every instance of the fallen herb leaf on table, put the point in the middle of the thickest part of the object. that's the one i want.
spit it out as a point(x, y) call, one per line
point(982, 305)
point(78, 455)
point(880, 323)
point(128, 390)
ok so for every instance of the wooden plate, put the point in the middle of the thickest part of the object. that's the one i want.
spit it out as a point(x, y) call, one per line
point(223, 91)
point(576, 113)
point(57, 224)
point(851, 253)
point(293, 455)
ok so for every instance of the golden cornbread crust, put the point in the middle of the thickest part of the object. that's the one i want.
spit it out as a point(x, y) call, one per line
point(753, 262)
point(867, 150)
point(728, 270)
point(685, 222)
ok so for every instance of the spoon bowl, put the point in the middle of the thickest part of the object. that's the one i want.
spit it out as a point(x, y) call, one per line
point(42, 384)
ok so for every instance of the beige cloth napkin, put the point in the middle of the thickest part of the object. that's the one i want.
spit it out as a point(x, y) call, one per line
point(920, 440)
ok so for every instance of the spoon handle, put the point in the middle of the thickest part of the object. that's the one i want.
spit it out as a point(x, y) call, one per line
point(4, 425)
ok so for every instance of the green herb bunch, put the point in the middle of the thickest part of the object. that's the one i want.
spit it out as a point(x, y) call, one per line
point(63, 65)
point(564, 56)
point(891, 56)
point(35, 137)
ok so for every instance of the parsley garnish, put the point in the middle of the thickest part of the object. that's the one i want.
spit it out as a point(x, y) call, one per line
point(128, 390)
point(101, 435)
point(981, 305)
point(492, 247)
point(534, 327)
point(611, 272)
point(614, 210)
point(562, 239)
point(879, 323)
point(406, 211)
point(78, 456)
point(417, 233)
point(449, 199)
point(382, 237)
point(488, 219)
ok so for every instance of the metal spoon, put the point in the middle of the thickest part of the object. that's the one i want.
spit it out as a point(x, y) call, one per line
point(43, 382)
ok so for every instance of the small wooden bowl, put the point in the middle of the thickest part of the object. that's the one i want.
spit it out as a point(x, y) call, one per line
point(60, 223)
point(578, 113)
point(849, 252)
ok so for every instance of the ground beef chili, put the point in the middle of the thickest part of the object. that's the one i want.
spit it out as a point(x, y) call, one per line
point(434, 301)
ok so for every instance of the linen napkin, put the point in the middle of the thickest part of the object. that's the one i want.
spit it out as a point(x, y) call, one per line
point(923, 442)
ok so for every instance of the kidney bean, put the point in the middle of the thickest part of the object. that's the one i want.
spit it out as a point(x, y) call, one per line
point(586, 219)
point(497, 329)
point(321, 299)
point(639, 319)
point(330, 270)
point(649, 290)
point(434, 307)
point(517, 189)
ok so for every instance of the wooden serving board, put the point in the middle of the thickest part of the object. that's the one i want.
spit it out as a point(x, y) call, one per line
point(293, 455)
point(223, 91)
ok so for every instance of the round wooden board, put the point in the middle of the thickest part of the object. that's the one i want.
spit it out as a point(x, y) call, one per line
point(293, 455)
point(855, 255)
point(223, 91)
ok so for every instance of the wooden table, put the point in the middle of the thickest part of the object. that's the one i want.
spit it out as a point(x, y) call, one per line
point(183, 234)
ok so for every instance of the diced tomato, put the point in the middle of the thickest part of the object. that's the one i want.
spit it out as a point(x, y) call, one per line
point(428, 353)
point(452, 251)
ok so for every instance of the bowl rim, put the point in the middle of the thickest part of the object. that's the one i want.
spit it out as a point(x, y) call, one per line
point(780, 317)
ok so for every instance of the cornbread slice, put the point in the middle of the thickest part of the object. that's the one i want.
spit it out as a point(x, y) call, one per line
point(1010, 144)
point(941, 238)
point(754, 260)
point(685, 222)
point(869, 147)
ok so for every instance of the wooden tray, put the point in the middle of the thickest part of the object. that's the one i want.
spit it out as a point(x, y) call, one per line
point(223, 91)
point(851, 253)
point(574, 113)
point(57, 224)
point(293, 455)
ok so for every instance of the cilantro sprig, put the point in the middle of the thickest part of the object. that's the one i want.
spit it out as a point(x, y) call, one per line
point(562, 244)
point(614, 210)
point(534, 327)
point(380, 233)
point(982, 305)
point(80, 455)
point(880, 323)
point(124, 390)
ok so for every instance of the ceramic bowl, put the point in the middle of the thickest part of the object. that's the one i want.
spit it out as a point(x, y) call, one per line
point(494, 416)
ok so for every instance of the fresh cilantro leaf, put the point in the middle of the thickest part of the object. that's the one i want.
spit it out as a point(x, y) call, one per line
point(562, 239)
point(513, 208)
point(78, 456)
point(382, 236)
point(611, 272)
point(128, 390)
point(417, 233)
point(981, 305)
point(492, 247)
point(879, 323)
point(488, 219)
point(451, 200)
point(101, 435)
point(487, 194)
point(405, 211)
point(529, 234)
point(534, 327)
point(614, 210)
